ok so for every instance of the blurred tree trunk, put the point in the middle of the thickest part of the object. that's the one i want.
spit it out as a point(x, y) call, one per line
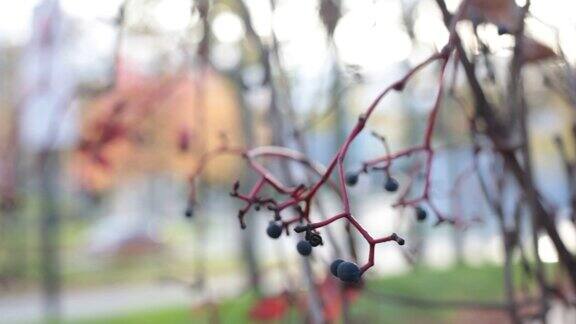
point(49, 171)
point(412, 121)
point(454, 162)
point(278, 127)
point(340, 131)
point(499, 135)
point(248, 234)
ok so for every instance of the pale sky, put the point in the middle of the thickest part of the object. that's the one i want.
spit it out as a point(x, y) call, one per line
point(378, 22)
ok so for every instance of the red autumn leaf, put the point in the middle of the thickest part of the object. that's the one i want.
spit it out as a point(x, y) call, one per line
point(184, 140)
point(84, 146)
point(270, 308)
point(331, 295)
point(119, 107)
point(491, 5)
point(503, 13)
point(100, 160)
point(534, 51)
point(111, 132)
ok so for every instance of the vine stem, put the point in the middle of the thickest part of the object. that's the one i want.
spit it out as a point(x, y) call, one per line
point(301, 194)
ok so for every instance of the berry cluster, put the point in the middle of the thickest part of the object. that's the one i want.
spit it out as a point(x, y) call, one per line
point(304, 247)
point(350, 272)
point(345, 271)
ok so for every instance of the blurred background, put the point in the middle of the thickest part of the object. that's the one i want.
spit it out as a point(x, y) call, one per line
point(107, 108)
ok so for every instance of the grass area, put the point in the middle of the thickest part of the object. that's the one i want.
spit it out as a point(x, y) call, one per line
point(459, 283)
point(169, 315)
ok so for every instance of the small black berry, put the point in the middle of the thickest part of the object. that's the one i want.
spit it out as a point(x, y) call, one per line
point(274, 230)
point(391, 184)
point(189, 212)
point(351, 178)
point(420, 214)
point(398, 86)
point(400, 241)
point(300, 228)
point(334, 266)
point(502, 30)
point(348, 272)
point(314, 238)
point(304, 248)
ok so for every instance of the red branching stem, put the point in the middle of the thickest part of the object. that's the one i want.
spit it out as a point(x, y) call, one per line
point(426, 147)
point(301, 194)
point(297, 194)
point(372, 244)
point(326, 221)
point(390, 157)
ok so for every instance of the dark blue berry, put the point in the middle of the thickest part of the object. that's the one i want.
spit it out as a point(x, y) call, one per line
point(189, 212)
point(314, 238)
point(420, 214)
point(274, 230)
point(334, 266)
point(304, 248)
point(351, 178)
point(391, 184)
point(398, 239)
point(348, 272)
point(300, 228)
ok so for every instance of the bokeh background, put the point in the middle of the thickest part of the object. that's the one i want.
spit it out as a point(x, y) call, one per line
point(102, 237)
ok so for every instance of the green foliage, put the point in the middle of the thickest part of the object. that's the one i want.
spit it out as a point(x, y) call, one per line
point(459, 283)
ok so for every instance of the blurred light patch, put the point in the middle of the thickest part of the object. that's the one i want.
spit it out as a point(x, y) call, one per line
point(555, 19)
point(303, 41)
point(172, 15)
point(567, 231)
point(429, 27)
point(372, 37)
point(15, 17)
point(521, 3)
point(90, 8)
point(226, 56)
point(546, 250)
point(261, 16)
point(295, 19)
point(228, 27)
point(489, 33)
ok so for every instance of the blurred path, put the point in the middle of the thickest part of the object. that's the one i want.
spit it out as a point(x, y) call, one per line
point(122, 299)
point(112, 300)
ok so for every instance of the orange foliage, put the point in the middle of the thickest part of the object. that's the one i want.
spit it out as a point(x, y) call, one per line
point(157, 126)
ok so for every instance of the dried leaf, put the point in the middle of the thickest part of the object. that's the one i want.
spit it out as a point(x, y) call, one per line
point(534, 51)
point(329, 290)
point(184, 140)
point(502, 13)
point(270, 308)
